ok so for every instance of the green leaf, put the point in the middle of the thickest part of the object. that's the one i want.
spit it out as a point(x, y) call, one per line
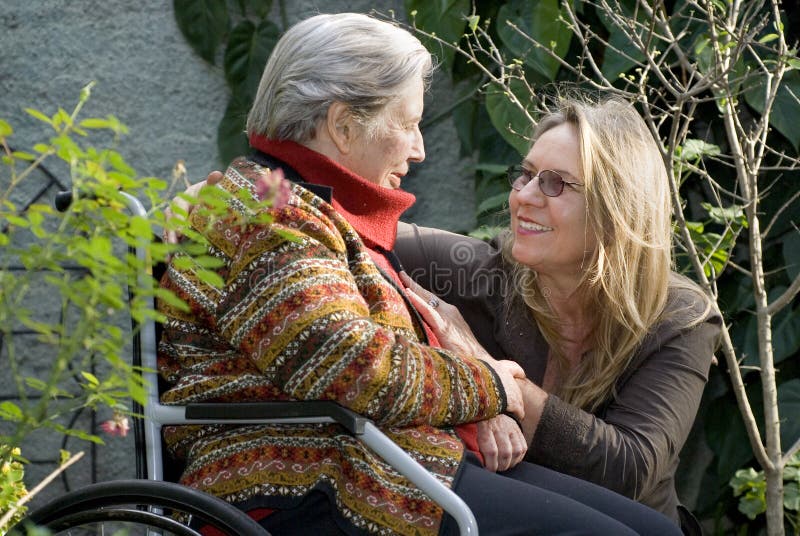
point(118, 163)
point(752, 504)
point(791, 255)
point(80, 434)
point(5, 129)
point(231, 139)
point(492, 169)
point(140, 227)
point(695, 226)
point(95, 122)
point(444, 18)
point(507, 118)
point(693, 150)
point(487, 232)
point(472, 22)
point(621, 54)
point(207, 261)
point(733, 215)
point(494, 203)
point(261, 7)
point(17, 220)
point(10, 411)
point(35, 383)
point(786, 108)
point(61, 118)
point(169, 297)
point(726, 435)
point(789, 409)
point(203, 23)
point(246, 54)
point(785, 333)
point(39, 115)
point(791, 496)
point(23, 156)
point(210, 278)
point(767, 38)
point(89, 377)
point(539, 20)
point(745, 479)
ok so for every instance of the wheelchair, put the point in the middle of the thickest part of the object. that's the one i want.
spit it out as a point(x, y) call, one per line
point(151, 505)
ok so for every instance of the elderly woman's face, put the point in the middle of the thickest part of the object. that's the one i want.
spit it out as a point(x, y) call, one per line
point(550, 233)
point(384, 159)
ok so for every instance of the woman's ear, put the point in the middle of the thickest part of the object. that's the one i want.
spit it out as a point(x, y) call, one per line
point(340, 126)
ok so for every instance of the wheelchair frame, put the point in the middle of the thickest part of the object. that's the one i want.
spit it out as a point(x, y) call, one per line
point(316, 411)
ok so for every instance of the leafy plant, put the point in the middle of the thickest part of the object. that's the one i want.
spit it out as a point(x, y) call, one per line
point(750, 486)
point(79, 259)
point(76, 259)
point(12, 488)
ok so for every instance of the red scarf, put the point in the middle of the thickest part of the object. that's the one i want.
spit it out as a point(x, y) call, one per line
point(371, 209)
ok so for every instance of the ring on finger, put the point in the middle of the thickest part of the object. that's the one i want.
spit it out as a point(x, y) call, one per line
point(434, 302)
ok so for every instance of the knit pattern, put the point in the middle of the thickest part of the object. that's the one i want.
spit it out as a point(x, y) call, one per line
point(305, 314)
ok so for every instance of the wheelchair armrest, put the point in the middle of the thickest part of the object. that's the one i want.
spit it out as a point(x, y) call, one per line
point(248, 411)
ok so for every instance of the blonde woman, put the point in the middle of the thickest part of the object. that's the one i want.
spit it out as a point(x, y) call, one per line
point(580, 292)
point(312, 308)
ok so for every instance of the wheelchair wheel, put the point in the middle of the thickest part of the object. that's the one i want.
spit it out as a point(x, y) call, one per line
point(134, 507)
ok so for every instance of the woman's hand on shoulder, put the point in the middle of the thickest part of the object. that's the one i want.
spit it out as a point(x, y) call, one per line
point(445, 320)
point(455, 335)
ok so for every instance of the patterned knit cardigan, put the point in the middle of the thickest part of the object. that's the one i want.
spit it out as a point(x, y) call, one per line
point(305, 314)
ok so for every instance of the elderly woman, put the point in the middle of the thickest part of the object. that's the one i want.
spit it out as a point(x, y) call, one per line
point(312, 308)
point(580, 292)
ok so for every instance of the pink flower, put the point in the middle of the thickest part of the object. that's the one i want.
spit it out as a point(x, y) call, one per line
point(272, 187)
point(116, 425)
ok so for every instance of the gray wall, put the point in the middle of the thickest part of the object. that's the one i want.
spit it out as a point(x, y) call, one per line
point(171, 101)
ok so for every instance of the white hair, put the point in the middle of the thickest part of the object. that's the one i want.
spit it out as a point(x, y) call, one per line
point(351, 58)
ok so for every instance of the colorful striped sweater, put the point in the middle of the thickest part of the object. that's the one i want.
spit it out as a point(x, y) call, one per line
point(306, 314)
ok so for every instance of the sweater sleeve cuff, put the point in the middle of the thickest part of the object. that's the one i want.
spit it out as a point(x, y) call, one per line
point(501, 392)
point(560, 438)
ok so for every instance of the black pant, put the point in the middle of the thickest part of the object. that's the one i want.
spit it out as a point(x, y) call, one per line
point(528, 499)
point(531, 499)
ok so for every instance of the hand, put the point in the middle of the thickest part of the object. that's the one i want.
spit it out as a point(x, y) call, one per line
point(454, 334)
point(535, 399)
point(171, 236)
point(501, 442)
point(511, 374)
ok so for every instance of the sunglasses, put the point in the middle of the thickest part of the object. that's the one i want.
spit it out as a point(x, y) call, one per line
point(551, 183)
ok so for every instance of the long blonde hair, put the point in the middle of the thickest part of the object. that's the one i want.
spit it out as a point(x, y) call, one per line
point(625, 280)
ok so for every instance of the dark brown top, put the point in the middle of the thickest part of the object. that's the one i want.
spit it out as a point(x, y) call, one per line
point(629, 445)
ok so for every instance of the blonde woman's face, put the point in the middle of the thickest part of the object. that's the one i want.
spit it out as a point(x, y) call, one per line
point(550, 233)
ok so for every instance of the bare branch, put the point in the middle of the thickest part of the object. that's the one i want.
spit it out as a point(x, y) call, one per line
point(786, 298)
point(739, 391)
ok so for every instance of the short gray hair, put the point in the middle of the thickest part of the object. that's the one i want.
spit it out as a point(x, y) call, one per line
point(352, 58)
